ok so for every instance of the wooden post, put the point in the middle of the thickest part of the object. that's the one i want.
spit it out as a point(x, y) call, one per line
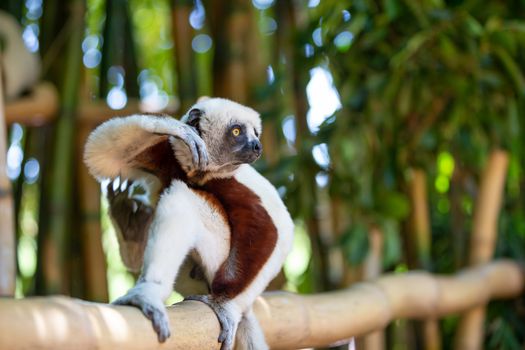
point(420, 231)
point(94, 263)
point(421, 238)
point(37, 109)
point(470, 332)
point(230, 27)
point(7, 231)
point(58, 205)
point(185, 60)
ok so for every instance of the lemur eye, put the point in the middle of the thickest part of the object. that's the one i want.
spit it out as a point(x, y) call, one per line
point(236, 131)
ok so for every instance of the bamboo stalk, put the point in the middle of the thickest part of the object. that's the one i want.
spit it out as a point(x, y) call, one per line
point(118, 48)
point(420, 233)
point(289, 321)
point(470, 332)
point(96, 284)
point(488, 205)
point(60, 194)
point(230, 26)
point(96, 112)
point(7, 233)
point(184, 54)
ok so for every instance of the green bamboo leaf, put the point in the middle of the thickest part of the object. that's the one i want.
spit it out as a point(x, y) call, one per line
point(392, 243)
point(357, 24)
point(404, 99)
point(391, 8)
point(355, 244)
point(448, 51)
point(412, 46)
point(473, 26)
point(514, 26)
point(513, 69)
point(419, 12)
point(392, 204)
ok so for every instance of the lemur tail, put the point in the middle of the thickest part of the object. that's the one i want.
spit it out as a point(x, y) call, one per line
point(249, 334)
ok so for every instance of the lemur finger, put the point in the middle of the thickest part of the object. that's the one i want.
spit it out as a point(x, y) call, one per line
point(160, 322)
point(203, 156)
point(194, 153)
point(158, 317)
point(227, 344)
point(123, 185)
point(189, 140)
point(200, 147)
point(110, 192)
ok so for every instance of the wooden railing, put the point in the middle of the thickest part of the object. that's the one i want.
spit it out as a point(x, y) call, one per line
point(290, 321)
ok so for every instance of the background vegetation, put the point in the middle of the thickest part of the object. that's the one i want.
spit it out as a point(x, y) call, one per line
point(356, 97)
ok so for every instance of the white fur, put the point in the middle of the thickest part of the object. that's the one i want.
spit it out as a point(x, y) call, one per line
point(222, 112)
point(111, 146)
point(184, 222)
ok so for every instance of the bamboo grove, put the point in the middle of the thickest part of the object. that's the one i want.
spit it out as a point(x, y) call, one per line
point(393, 130)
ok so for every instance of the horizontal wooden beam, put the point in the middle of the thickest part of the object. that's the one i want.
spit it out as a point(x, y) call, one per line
point(290, 321)
point(36, 109)
point(41, 106)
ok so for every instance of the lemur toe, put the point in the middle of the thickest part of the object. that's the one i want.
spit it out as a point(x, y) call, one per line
point(228, 325)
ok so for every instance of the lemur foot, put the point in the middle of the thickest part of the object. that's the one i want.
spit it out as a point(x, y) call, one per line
point(154, 311)
point(228, 324)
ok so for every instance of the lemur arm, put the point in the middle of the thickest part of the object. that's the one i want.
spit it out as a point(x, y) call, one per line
point(121, 146)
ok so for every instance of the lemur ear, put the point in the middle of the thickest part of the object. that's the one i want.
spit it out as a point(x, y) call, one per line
point(194, 117)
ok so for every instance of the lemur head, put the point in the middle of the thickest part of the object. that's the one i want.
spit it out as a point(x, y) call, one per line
point(230, 131)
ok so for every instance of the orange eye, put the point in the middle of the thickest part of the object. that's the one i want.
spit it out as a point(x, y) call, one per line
point(236, 131)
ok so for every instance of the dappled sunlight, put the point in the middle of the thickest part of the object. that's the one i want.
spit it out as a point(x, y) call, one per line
point(322, 97)
point(298, 260)
point(109, 322)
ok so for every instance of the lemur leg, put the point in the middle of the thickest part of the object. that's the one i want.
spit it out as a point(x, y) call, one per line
point(173, 233)
point(229, 316)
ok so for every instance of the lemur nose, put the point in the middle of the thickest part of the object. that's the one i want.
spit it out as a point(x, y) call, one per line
point(256, 146)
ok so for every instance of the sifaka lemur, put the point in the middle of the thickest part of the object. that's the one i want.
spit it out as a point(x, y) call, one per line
point(213, 207)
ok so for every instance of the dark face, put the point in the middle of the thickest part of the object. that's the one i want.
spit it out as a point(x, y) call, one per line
point(229, 144)
point(241, 144)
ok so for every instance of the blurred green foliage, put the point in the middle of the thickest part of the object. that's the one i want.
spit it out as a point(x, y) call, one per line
point(435, 85)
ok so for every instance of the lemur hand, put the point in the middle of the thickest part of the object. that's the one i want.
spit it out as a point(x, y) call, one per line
point(132, 215)
point(198, 157)
point(151, 307)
